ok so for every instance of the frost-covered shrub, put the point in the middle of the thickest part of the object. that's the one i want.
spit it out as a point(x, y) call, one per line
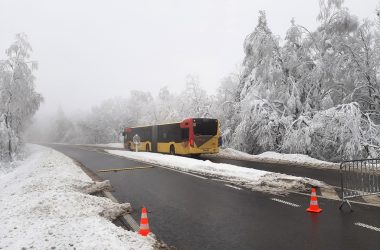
point(297, 137)
point(339, 129)
point(260, 129)
point(341, 132)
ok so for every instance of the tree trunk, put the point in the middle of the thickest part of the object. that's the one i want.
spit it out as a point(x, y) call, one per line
point(7, 125)
point(10, 147)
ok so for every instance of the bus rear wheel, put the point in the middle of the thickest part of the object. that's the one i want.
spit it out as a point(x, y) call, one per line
point(147, 149)
point(172, 150)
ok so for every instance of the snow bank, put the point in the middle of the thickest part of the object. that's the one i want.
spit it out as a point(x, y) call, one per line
point(43, 207)
point(247, 177)
point(273, 157)
point(111, 145)
point(106, 145)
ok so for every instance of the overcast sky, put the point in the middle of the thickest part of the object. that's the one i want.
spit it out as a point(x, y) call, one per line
point(91, 50)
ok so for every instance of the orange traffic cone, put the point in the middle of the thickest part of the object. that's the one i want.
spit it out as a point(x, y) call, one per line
point(144, 224)
point(314, 203)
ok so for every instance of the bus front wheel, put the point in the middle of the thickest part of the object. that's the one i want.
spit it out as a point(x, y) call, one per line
point(172, 150)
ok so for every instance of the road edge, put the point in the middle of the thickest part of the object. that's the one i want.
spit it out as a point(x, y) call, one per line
point(127, 219)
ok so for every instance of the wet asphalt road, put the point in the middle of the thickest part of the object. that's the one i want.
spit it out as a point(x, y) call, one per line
point(193, 213)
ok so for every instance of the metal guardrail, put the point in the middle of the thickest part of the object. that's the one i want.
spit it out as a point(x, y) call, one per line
point(359, 178)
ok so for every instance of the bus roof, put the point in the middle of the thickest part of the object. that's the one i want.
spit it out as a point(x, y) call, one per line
point(144, 126)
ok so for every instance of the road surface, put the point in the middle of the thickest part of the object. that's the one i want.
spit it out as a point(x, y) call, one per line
point(189, 212)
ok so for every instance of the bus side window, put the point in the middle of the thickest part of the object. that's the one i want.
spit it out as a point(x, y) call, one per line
point(143, 134)
point(185, 133)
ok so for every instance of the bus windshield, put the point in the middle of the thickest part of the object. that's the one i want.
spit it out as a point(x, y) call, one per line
point(205, 126)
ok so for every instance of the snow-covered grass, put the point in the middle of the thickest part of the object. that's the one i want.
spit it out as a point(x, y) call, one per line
point(44, 206)
point(245, 177)
point(274, 157)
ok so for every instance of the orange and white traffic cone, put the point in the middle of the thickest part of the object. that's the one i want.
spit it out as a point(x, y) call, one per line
point(144, 224)
point(314, 208)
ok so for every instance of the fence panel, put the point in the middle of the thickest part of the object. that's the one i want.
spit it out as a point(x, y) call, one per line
point(359, 178)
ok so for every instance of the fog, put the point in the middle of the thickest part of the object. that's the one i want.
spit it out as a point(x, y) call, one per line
point(89, 51)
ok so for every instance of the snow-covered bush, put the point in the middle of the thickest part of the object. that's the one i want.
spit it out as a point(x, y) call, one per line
point(341, 132)
point(297, 138)
point(318, 93)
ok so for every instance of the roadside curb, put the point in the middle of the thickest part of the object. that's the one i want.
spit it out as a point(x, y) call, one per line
point(127, 219)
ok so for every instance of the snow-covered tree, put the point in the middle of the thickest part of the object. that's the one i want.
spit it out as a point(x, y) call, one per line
point(262, 65)
point(18, 98)
point(140, 107)
point(193, 100)
point(286, 90)
point(63, 129)
point(106, 121)
point(224, 105)
point(166, 108)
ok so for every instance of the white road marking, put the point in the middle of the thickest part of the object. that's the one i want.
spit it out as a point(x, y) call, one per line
point(182, 172)
point(367, 226)
point(285, 202)
point(231, 186)
point(204, 178)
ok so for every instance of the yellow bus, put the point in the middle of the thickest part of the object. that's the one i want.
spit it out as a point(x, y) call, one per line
point(192, 136)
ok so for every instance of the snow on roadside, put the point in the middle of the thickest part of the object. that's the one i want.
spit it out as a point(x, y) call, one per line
point(246, 177)
point(274, 157)
point(109, 145)
point(8, 167)
point(43, 206)
point(113, 145)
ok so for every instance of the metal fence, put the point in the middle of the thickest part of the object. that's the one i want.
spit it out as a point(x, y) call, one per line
point(359, 178)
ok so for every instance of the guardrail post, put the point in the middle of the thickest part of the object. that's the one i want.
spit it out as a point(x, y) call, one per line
point(359, 178)
point(342, 177)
